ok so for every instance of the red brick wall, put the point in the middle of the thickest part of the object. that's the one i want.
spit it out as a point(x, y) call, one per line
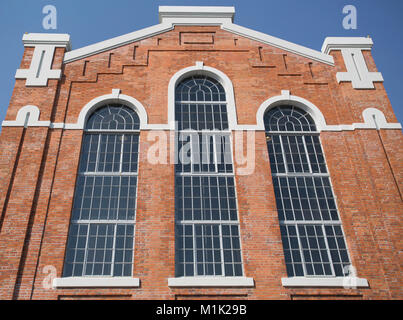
point(38, 168)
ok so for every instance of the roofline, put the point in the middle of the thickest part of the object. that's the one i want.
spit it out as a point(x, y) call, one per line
point(280, 43)
point(116, 42)
point(203, 16)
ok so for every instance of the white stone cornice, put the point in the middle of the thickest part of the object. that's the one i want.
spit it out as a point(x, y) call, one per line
point(338, 43)
point(52, 39)
point(176, 14)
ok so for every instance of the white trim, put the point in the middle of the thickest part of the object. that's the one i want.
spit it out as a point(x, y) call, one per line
point(173, 14)
point(373, 118)
point(27, 116)
point(201, 69)
point(338, 43)
point(279, 43)
point(346, 282)
point(204, 16)
point(40, 70)
point(357, 70)
point(287, 98)
point(101, 282)
point(116, 42)
point(211, 282)
point(54, 39)
point(115, 97)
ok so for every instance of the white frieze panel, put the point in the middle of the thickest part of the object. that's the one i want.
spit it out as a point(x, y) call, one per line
point(40, 70)
point(357, 70)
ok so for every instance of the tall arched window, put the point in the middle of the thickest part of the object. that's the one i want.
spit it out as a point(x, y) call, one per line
point(311, 229)
point(102, 226)
point(207, 225)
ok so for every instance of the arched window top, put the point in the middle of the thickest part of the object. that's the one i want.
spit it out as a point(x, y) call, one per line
point(200, 88)
point(113, 117)
point(288, 118)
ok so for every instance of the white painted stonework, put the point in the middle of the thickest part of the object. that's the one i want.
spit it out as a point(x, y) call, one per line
point(357, 70)
point(40, 70)
point(27, 116)
point(92, 282)
point(325, 282)
point(211, 282)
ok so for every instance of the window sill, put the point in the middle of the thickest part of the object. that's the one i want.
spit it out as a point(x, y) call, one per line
point(84, 282)
point(211, 282)
point(343, 282)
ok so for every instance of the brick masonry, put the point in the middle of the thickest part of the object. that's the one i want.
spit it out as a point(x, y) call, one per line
point(38, 168)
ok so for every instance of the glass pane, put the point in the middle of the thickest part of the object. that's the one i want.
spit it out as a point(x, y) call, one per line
point(114, 117)
point(303, 196)
point(205, 198)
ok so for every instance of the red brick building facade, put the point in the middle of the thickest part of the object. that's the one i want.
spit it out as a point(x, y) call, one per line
point(57, 89)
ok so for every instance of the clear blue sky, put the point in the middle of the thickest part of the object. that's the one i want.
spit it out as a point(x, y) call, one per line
point(305, 22)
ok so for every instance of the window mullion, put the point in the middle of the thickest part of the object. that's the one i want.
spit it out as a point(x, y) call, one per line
point(222, 251)
point(121, 153)
point(194, 250)
point(215, 154)
point(301, 251)
point(203, 226)
point(98, 154)
point(115, 227)
point(86, 250)
point(291, 202)
point(328, 249)
point(283, 153)
point(317, 198)
point(307, 154)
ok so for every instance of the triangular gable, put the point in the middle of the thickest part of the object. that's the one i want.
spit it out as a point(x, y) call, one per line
point(200, 16)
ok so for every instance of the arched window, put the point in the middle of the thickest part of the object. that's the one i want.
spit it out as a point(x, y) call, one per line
point(101, 234)
point(207, 225)
point(311, 229)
